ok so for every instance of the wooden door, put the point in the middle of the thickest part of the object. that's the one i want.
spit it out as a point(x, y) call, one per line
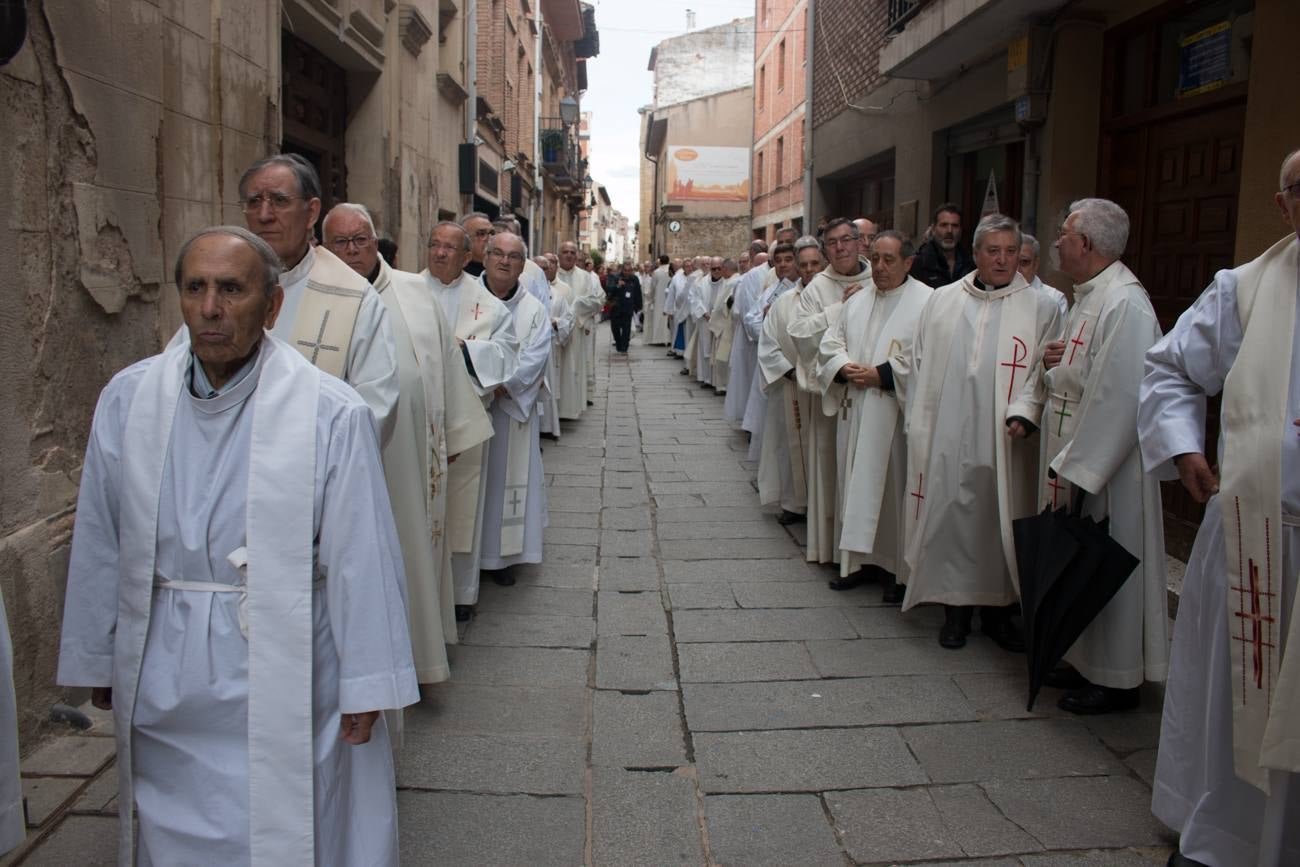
point(314, 102)
point(1179, 180)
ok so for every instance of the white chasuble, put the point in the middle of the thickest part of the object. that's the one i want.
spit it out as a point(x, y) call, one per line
point(656, 325)
point(1207, 776)
point(782, 465)
point(720, 324)
point(237, 579)
point(970, 371)
point(871, 328)
point(571, 362)
point(744, 349)
point(556, 380)
point(440, 415)
point(514, 512)
point(1089, 438)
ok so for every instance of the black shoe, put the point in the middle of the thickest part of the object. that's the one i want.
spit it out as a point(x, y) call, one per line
point(1178, 859)
point(848, 582)
point(893, 593)
point(464, 613)
point(1094, 699)
point(956, 626)
point(503, 578)
point(786, 518)
point(591, 403)
point(996, 624)
point(683, 372)
point(1064, 677)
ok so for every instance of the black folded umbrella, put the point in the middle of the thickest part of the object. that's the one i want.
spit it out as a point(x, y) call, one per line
point(1070, 568)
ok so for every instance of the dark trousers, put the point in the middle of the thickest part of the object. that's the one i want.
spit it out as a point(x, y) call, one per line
point(621, 325)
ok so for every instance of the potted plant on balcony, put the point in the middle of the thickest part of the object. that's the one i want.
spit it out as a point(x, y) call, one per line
point(552, 145)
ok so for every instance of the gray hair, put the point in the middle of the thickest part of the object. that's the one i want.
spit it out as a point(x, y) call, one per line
point(474, 215)
point(1281, 175)
point(906, 248)
point(1105, 224)
point(995, 223)
point(458, 227)
point(271, 266)
point(730, 263)
point(305, 172)
point(350, 208)
point(1028, 240)
point(805, 242)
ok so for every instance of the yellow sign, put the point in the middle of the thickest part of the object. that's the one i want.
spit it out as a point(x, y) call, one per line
point(1018, 53)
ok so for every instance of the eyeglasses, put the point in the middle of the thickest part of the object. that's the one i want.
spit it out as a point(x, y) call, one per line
point(438, 247)
point(341, 244)
point(1063, 233)
point(841, 241)
point(516, 258)
point(277, 201)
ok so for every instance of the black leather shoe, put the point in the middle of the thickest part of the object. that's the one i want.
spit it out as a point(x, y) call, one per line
point(893, 593)
point(464, 613)
point(848, 582)
point(1094, 699)
point(1064, 677)
point(503, 578)
point(956, 626)
point(1005, 634)
point(787, 517)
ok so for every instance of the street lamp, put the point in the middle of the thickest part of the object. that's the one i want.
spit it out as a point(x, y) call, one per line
point(569, 110)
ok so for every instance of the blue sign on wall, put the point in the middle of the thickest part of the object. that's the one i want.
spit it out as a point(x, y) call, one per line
point(1205, 60)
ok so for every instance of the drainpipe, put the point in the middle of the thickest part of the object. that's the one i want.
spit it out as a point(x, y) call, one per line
point(471, 82)
point(809, 31)
point(539, 64)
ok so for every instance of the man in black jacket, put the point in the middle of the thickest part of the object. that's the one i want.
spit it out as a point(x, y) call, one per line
point(623, 292)
point(942, 259)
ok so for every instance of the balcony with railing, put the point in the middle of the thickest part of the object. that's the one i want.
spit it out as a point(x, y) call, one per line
point(902, 11)
point(931, 39)
point(559, 152)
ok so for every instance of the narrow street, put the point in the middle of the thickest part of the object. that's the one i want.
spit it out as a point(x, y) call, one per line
point(675, 685)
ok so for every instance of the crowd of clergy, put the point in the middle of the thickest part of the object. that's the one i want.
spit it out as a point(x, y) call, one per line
point(283, 514)
point(908, 402)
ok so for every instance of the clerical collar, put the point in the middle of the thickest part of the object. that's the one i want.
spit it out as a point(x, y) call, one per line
point(474, 268)
point(374, 275)
point(1098, 279)
point(299, 271)
point(514, 290)
point(202, 388)
point(982, 286)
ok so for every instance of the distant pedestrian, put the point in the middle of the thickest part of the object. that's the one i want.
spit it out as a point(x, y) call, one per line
point(942, 259)
point(623, 292)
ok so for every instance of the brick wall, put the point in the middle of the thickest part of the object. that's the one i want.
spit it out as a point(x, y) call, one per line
point(780, 40)
point(847, 39)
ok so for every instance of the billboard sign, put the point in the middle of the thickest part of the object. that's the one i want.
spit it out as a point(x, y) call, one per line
point(708, 174)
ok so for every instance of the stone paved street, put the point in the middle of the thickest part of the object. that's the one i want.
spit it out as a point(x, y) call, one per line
point(677, 686)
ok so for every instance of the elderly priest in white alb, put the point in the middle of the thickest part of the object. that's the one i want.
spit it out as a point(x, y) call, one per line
point(235, 589)
point(514, 513)
point(971, 404)
point(1226, 773)
point(485, 332)
point(873, 326)
point(1090, 448)
point(439, 416)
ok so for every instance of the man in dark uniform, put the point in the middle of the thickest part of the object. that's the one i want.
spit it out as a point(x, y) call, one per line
point(942, 259)
point(623, 292)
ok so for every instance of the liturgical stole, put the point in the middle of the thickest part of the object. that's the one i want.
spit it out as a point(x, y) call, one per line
point(327, 313)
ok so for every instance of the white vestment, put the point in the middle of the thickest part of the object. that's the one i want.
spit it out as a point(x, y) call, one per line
point(701, 300)
point(744, 349)
point(720, 325)
point(1057, 296)
point(969, 372)
point(586, 307)
point(12, 830)
point(596, 302)
point(1221, 819)
point(782, 463)
point(534, 280)
point(488, 332)
point(514, 513)
point(656, 321)
point(682, 309)
point(755, 416)
point(871, 328)
point(556, 378)
point(1089, 439)
point(818, 303)
point(439, 415)
point(236, 578)
point(570, 360)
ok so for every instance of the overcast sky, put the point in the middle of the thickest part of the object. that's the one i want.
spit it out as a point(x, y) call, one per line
point(619, 83)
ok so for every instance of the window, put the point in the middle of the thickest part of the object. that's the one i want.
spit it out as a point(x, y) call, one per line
point(780, 67)
point(758, 174)
point(780, 161)
point(762, 85)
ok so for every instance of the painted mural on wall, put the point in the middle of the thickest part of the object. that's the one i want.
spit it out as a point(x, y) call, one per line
point(708, 174)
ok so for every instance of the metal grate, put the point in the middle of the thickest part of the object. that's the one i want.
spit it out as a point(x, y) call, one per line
point(902, 11)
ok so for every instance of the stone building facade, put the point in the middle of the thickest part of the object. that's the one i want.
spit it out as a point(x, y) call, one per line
point(127, 126)
point(780, 55)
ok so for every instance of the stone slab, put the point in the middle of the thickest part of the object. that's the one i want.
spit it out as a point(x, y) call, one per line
point(87, 841)
point(671, 533)
point(46, 795)
point(644, 819)
point(637, 731)
point(805, 761)
point(891, 623)
point(568, 576)
point(630, 613)
point(70, 756)
point(560, 535)
point(683, 596)
point(568, 553)
point(571, 500)
point(1082, 812)
point(1100, 858)
point(454, 708)
point(524, 599)
point(770, 830)
point(995, 696)
point(625, 519)
point(518, 666)
point(740, 662)
point(729, 549)
point(634, 662)
point(976, 824)
point(497, 763)
point(760, 625)
point(571, 520)
point(681, 572)
point(812, 593)
point(454, 828)
point(674, 513)
point(870, 657)
point(1010, 750)
point(626, 543)
point(1126, 732)
point(100, 797)
point(623, 498)
point(530, 630)
point(629, 573)
point(825, 703)
point(889, 826)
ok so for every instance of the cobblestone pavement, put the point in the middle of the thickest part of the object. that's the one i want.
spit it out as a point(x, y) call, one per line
point(677, 686)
